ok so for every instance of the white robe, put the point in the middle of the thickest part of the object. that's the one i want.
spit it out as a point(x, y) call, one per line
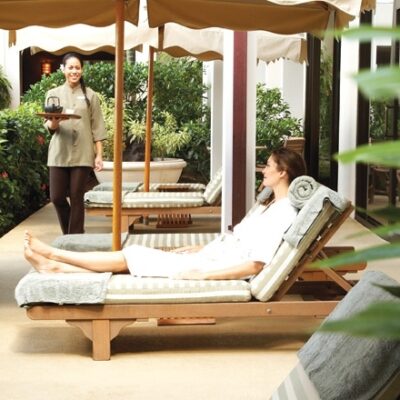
point(255, 238)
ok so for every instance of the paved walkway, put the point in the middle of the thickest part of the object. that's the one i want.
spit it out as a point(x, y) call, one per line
point(235, 359)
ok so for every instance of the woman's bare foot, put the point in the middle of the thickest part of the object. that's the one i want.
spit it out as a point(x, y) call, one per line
point(37, 246)
point(39, 262)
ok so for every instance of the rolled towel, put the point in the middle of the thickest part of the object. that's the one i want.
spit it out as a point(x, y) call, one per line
point(301, 189)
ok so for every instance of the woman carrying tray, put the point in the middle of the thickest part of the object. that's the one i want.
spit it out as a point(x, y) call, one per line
point(76, 145)
point(239, 255)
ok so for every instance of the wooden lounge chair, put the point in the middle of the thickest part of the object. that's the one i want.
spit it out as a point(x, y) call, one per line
point(128, 298)
point(172, 200)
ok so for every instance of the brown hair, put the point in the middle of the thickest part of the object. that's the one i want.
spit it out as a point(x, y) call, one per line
point(289, 161)
point(81, 81)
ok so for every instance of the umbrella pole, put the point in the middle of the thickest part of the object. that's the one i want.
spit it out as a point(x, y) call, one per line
point(149, 117)
point(119, 85)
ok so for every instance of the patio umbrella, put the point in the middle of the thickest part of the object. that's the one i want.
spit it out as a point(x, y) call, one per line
point(16, 14)
point(279, 16)
point(81, 38)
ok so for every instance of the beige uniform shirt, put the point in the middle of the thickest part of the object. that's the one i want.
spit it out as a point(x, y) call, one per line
point(72, 144)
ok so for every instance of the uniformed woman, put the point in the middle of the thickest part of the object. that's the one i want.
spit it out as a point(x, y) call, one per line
point(76, 145)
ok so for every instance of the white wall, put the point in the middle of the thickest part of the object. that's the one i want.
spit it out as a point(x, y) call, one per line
point(289, 77)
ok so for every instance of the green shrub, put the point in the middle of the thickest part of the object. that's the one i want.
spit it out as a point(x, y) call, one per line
point(5, 90)
point(273, 121)
point(23, 171)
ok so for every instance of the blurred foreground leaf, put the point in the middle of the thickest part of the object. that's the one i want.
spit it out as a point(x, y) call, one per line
point(379, 320)
point(380, 84)
point(386, 154)
point(383, 252)
point(365, 33)
point(389, 230)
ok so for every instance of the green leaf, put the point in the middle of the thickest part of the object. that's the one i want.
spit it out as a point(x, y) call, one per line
point(385, 154)
point(389, 230)
point(383, 252)
point(366, 33)
point(390, 213)
point(383, 83)
point(393, 290)
point(379, 320)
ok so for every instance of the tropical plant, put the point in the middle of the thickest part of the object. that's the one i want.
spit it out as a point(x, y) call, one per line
point(166, 138)
point(23, 171)
point(5, 90)
point(380, 319)
point(273, 121)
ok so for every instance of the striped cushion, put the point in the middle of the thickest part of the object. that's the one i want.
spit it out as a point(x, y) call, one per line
point(162, 199)
point(214, 188)
point(129, 289)
point(296, 386)
point(170, 240)
point(268, 281)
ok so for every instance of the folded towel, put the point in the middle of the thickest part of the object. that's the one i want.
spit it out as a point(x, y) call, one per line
point(101, 197)
point(79, 288)
point(309, 212)
point(108, 186)
point(301, 189)
point(347, 367)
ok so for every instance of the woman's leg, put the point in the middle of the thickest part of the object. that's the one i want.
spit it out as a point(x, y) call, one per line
point(97, 261)
point(59, 186)
point(44, 265)
point(78, 180)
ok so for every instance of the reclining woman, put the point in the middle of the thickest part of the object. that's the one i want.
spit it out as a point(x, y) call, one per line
point(237, 255)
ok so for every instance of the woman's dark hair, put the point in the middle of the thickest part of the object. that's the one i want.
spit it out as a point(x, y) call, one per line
point(289, 161)
point(81, 81)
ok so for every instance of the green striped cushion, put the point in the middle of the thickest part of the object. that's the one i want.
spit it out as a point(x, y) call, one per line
point(163, 199)
point(296, 386)
point(214, 188)
point(124, 288)
point(268, 281)
point(170, 240)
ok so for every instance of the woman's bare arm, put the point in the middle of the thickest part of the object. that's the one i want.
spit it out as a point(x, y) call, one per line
point(239, 271)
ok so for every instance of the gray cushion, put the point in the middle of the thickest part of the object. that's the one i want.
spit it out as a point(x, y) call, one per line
point(347, 367)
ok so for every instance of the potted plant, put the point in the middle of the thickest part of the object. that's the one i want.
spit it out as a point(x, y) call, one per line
point(166, 141)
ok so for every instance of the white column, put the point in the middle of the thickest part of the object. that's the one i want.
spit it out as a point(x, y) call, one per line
point(293, 87)
point(9, 59)
point(216, 72)
point(348, 114)
point(251, 119)
point(227, 129)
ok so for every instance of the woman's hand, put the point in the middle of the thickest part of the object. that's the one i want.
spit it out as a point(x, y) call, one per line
point(98, 163)
point(53, 123)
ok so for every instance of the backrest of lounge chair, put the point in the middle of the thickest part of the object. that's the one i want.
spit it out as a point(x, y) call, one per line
point(213, 189)
point(291, 257)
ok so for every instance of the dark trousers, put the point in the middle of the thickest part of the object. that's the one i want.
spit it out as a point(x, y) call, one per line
point(69, 182)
